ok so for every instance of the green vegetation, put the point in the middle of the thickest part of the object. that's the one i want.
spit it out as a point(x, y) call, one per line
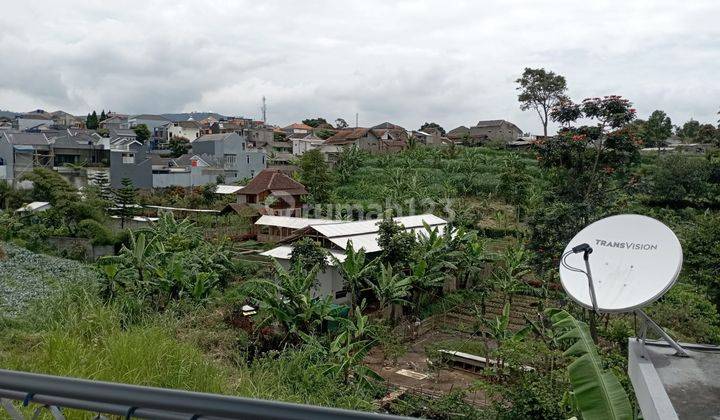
point(480, 286)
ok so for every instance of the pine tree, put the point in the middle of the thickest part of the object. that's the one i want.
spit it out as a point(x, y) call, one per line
point(101, 180)
point(103, 116)
point(92, 121)
point(126, 197)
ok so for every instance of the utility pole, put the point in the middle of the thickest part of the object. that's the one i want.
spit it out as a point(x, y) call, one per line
point(264, 111)
point(356, 119)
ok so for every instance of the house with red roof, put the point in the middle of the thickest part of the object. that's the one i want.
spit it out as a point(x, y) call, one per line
point(273, 192)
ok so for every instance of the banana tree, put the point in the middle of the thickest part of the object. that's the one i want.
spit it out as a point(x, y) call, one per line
point(598, 394)
point(289, 301)
point(345, 353)
point(354, 270)
point(391, 291)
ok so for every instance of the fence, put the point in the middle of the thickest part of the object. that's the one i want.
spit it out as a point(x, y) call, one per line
point(57, 394)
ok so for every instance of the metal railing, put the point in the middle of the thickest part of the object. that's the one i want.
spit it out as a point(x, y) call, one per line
point(55, 394)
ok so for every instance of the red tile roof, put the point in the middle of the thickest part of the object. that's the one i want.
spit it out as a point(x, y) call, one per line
point(273, 180)
point(347, 135)
point(298, 126)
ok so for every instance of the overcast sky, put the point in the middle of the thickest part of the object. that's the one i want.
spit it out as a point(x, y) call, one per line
point(453, 62)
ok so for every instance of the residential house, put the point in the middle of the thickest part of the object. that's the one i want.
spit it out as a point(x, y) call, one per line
point(259, 136)
point(213, 157)
point(297, 128)
point(31, 120)
point(239, 161)
point(22, 152)
point(374, 140)
point(150, 121)
point(81, 149)
point(65, 119)
point(116, 122)
point(274, 192)
point(335, 237)
point(305, 144)
point(270, 228)
point(486, 131)
point(189, 130)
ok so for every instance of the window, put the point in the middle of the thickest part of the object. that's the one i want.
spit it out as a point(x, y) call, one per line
point(128, 158)
point(243, 145)
point(2, 161)
point(263, 159)
point(247, 159)
point(230, 159)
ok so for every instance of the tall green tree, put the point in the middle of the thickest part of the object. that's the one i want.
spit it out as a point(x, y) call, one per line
point(314, 122)
point(142, 132)
point(308, 254)
point(657, 129)
point(103, 116)
point(315, 174)
point(708, 134)
point(340, 123)
point(434, 125)
point(126, 200)
point(540, 90)
point(689, 131)
point(92, 121)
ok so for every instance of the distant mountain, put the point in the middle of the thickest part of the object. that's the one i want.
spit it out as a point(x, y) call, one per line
point(184, 116)
point(8, 114)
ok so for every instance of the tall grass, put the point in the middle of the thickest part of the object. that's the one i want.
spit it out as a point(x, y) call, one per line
point(78, 335)
point(85, 339)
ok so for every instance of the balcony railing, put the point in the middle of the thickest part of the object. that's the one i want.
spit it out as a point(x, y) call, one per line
point(57, 394)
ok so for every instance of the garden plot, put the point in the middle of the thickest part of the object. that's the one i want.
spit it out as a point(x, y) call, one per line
point(26, 277)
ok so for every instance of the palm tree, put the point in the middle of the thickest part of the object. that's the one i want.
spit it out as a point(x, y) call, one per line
point(391, 291)
point(354, 270)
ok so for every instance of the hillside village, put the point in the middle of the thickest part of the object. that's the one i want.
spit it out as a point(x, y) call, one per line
point(156, 152)
point(381, 269)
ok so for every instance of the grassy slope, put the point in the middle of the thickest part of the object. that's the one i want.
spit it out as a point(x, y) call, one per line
point(67, 330)
point(26, 277)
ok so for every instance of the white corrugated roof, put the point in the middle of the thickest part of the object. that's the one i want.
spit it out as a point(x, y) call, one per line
point(228, 189)
point(370, 226)
point(284, 252)
point(292, 222)
point(34, 206)
point(369, 241)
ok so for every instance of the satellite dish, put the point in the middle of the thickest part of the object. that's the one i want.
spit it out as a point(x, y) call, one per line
point(635, 260)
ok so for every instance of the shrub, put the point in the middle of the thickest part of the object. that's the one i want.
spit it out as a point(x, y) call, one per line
point(98, 233)
point(688, 315)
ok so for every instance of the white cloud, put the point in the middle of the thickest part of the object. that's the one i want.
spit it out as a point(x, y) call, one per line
point(402, 61)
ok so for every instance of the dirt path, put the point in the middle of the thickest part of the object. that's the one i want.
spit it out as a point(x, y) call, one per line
point(438, 382)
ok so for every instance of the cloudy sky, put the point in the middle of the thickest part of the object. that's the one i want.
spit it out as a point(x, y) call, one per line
point(448, 61)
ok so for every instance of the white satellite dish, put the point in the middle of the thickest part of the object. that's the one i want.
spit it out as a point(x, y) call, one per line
point(635, 260)
point(621, 264)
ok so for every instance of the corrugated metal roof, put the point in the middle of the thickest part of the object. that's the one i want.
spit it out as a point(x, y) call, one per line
point(292, 222)
point(35, 206)
point(228, 189)
point(284, 252)
point(371, 226)
point(369, 242)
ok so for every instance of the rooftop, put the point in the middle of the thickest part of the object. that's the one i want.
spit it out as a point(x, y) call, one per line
point(672, 387)
point(292, 222)
point(273, 180)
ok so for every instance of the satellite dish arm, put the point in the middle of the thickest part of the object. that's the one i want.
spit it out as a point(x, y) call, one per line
point(587, 250)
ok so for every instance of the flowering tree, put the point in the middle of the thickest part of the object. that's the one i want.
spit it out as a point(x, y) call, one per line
point(587, 155)
point(584, 165)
